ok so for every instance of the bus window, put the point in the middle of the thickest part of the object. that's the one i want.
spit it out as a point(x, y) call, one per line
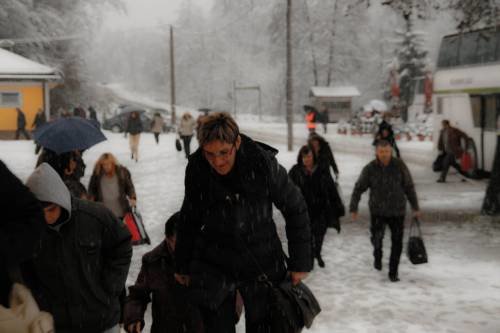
point(475, 102)
point(448, 52)
point(485, 50)
point(468, 48)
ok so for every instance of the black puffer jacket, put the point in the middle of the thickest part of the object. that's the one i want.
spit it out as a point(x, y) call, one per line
point(319, 193)
point(390, 186)
point(224, 217)
point(82, 269)
point(20, 226)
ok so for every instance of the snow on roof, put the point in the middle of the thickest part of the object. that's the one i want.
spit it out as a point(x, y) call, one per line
point(347, 91)
point(15, 66)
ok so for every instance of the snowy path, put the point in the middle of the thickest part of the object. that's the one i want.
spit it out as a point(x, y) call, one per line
point(458, 291)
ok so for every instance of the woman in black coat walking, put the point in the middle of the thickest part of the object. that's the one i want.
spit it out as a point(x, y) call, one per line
point(312, 182)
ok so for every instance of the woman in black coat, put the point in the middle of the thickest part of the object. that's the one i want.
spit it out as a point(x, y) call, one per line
point(323, 152)
point(325, 160)
point(312, 182)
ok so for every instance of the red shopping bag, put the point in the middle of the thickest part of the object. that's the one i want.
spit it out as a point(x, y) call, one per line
point(133, 221)
point(466, 162)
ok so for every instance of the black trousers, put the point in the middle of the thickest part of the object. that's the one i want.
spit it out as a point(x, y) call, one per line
point(256, 299)
point(396, 224)
point(22, 131)
point(449, 160)
point(157, 137)
point(318, 231)
point(186, 139)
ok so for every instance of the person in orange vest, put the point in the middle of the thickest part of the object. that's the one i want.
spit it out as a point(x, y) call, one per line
point(310, 117)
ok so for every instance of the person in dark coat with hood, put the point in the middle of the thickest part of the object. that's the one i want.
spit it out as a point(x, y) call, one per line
point(385, 132)
point(391, 185)
point(227, 238)
point(21, 125)
point(21, 226)
point(312, 182)
point(81, 261)
point(156, 283)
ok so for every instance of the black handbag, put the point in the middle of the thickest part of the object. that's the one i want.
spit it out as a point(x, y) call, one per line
point(178, 145)
point(437, 165)
point(292, 306)
point(416, 247)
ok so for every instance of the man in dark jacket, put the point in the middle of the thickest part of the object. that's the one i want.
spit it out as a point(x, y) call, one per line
point(39, 120)
point(20, 227)
point(21, 125)
point(156, 283)
point(390, 185)
point(227, 237)
point(450, 143)
point(82, 260)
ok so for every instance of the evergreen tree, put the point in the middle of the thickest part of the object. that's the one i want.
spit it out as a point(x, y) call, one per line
point(411, 60)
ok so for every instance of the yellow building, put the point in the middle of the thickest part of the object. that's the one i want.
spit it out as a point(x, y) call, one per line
point(24, 84)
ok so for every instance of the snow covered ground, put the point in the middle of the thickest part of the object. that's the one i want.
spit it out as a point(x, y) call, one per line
point(457, 291)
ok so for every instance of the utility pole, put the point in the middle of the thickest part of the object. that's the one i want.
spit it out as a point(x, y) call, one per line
point(289, 82)
point(172, 75)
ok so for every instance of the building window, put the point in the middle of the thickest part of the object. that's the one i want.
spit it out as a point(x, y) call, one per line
point(10, 99)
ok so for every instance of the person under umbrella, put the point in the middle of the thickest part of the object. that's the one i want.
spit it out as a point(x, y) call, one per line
point(64, 141)
point(134, 128)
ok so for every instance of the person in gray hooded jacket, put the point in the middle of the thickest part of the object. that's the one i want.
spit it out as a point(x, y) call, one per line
point(82, 260)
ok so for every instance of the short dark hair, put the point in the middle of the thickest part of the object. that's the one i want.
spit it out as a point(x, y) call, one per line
point(445, 122)
point(382, 143)
point(218, 126)
point(304, 150)
point(171, 224)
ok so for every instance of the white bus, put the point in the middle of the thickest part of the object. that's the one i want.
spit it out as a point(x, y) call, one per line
point(467, 90)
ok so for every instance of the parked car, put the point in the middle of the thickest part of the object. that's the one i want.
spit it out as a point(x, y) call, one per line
point(118, 123)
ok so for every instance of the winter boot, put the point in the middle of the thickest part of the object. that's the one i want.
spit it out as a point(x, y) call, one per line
point(393, 276)
point(377, 263)
point(321, 263)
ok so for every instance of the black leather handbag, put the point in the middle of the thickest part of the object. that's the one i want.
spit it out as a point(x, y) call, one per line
point(292, 306)
point(437, 165)
point(178, 145)
point(416, 247)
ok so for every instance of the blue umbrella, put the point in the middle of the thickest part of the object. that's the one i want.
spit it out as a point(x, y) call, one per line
point(68, 134)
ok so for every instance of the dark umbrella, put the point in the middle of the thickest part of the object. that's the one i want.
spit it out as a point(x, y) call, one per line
point(132, 108)
point(205, 110)
point(68, 134)
point(308, 108)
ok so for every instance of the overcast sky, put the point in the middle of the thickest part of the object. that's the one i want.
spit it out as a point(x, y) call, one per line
point(146, 13)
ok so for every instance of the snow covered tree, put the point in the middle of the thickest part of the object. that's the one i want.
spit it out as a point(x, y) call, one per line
point(410, 63)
